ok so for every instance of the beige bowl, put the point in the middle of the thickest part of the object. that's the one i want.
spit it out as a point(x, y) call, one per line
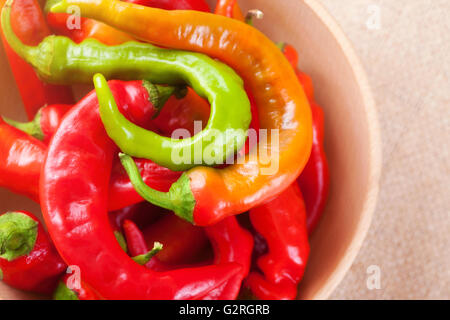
point(352, 136)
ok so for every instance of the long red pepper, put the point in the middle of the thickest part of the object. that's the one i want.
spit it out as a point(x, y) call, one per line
point(29, 25)
point(28, 259)
point(314, 181)
point(282, 223)
point(82, 156)
point(315, 178)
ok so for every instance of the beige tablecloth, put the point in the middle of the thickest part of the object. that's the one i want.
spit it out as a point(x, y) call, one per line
point(407, 59)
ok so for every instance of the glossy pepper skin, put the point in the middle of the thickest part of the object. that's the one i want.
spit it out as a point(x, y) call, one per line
point(230, 243)
point(225, 132)
point(229, 8)
point(28, 259)
point(315, 178)
point(45, 123)
point(82, 156)
point(282, 223)
point(197, 5)
point(210, 195)
point(314, 181)
point(182, 113)
point(106, 34)
point(21, 158)
point(29, 24)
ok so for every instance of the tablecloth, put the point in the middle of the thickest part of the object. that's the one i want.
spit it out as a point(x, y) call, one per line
point(404, 46)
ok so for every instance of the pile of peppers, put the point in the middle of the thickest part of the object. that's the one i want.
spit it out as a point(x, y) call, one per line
point(123, 218)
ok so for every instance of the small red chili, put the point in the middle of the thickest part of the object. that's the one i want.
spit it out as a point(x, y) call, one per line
point(28, 259)
point(282, 223)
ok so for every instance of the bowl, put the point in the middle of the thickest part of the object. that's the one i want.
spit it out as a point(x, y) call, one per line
point(352, 136)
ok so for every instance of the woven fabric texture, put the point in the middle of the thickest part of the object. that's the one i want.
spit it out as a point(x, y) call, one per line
point(404, 46)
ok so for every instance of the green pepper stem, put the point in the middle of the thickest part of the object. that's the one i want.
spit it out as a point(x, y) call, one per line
point(33, 128)
point(144, 258)
point(158, 198)
point(179, 199)
point(18, 233)
point(62, 292)
point(23, 50)
point(121, 240)
point(158, 95)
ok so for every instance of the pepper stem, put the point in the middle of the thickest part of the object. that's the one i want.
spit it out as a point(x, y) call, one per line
point(33, 128)
point(62, 292)
point(179, 199)
point(18, 233)
point(253, 14)
point(156, 197)
point(144, 258)
point(158, 95)
point(24, 51)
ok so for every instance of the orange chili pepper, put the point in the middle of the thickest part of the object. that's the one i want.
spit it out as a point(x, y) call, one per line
point(206, 195)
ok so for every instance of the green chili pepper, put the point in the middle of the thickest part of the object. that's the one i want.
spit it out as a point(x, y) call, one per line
point(61, 61)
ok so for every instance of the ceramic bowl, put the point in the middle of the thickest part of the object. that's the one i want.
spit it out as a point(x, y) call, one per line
point(352, 136)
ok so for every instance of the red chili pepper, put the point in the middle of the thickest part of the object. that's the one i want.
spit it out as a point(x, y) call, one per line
point(306, 82)
point(225, 8)
point(230, 9)
point(198, 5)
point(28, 259)
point(315, 178)
point(122, 192)
point(45, 123)
point(231, 243)
point(29, 25)
point(182, 113)
point(75, 179)
point(314, 181)
point(21, 158)
point(282, 222)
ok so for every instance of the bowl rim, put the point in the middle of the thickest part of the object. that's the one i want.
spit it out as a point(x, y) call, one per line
point(375, 149)
point(367, 212)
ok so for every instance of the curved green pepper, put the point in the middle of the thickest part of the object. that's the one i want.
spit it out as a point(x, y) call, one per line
point(59, 60)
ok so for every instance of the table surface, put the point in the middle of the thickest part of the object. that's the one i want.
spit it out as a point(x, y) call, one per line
point(404, 46)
